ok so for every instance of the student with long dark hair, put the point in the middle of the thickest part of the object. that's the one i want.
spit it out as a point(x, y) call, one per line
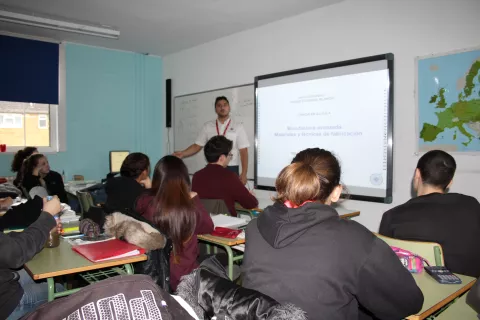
point(18, 159)
point(299, 250)
point(36, 173)
point(122, 192)
point(177, 212)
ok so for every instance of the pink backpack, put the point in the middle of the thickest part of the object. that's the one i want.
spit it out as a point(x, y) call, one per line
point(411, 261)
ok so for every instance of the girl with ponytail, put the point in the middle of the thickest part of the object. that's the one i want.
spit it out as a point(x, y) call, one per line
point(18, 160)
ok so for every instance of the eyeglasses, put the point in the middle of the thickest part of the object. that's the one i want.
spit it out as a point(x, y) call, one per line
point(230, 155)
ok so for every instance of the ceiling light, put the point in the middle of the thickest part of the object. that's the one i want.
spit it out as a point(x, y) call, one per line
point(49, 23)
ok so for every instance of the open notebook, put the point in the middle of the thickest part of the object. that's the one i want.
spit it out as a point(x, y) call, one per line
point(221, 220)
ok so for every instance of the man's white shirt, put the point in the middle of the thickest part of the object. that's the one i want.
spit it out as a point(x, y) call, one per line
point(235, 132)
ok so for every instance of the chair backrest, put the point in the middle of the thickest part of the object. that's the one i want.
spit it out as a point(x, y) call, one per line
point(38, 191)
point(86, 200)
point(431, 251)
point(215, 206)
point(25, 193)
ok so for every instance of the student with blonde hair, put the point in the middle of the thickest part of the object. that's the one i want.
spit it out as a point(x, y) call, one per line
point(299, 250)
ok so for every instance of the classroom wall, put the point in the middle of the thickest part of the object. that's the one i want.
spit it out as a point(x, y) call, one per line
point(351, 29)
point(113, 101)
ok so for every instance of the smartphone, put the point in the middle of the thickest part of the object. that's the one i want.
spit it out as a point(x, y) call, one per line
point(443, 275)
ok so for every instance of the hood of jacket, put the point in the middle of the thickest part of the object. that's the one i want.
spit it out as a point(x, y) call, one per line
point(133, 231)
point(281, 226)
point(210, 293)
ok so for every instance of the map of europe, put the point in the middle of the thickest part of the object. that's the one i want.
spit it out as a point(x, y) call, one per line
point(449, 102)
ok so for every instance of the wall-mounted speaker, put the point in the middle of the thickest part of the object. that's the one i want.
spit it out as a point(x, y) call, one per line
point(168, 103)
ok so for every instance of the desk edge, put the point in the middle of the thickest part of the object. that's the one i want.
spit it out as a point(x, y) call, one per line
point(95, 266)
point(350, 215)
point(442, 303)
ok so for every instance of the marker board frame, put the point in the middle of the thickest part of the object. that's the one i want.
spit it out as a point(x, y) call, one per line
point(389, 57)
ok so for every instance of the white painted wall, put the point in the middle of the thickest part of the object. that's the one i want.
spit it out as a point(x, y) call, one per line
point(351, 29)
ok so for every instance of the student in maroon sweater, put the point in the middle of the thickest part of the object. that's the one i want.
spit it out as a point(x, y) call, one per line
point(177, 212)
point(216, 182)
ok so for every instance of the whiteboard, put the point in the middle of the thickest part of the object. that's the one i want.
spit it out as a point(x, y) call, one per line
point(193, 110)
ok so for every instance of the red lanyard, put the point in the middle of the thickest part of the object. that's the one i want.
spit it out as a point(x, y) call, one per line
point(224, 131)
point(290, 205)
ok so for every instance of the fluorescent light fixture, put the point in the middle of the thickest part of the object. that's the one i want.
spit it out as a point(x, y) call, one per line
point(49, 23)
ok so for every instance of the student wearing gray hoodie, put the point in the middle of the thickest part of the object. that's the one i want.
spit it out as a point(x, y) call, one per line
point(299, 250)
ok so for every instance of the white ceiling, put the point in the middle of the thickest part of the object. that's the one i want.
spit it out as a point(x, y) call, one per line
point(159, 27)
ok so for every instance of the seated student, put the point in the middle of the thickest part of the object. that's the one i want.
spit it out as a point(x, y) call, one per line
point(36, 173)
point(300, 251)
point(18, 159)
point(19, 294)
point(22, 215)
point(177, 212)
point(450, 219)
point(122, 192)
point(216, 182)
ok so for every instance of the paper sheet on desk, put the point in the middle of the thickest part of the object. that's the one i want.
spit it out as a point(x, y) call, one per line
point(221, 220)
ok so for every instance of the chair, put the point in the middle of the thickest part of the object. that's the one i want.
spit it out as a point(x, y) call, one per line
point(215, 206)
point(86, 200)
point(78, 177)
point(250, 213)
point(431, 251)
point(25, 193)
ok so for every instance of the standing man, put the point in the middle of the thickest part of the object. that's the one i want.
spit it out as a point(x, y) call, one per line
point(223, 126)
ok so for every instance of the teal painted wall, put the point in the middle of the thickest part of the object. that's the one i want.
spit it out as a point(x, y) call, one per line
point(114, 102)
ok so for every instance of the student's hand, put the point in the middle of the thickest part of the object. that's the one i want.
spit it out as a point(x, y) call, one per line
point(6, 202)
point(53, 206)
point(193, 194)
point(42, 174)
point(147, 183)
point(36, 171)
point(178, 154)
point(59, 227)
point(243, 178)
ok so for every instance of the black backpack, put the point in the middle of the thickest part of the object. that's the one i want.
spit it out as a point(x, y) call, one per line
point(120, 297)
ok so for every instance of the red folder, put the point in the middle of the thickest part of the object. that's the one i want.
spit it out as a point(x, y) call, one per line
point(108, 250)
point(226, 232)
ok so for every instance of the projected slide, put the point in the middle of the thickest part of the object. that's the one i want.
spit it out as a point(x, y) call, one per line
point(344, 110)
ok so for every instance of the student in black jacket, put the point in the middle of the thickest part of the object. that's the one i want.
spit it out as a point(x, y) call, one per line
point(21, 215)
point(16, 249)
point(36, 173)
point(122, 192)
point(300, 251)
point(450, 219)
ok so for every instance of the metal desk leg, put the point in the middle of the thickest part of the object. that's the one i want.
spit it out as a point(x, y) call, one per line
point(51, 289)
point(129, 269)
point(230, 261)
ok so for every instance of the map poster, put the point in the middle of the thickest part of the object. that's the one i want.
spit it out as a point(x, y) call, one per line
point(448, 102)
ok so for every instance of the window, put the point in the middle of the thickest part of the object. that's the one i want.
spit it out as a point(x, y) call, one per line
point(32, 99)
point(42, 121)
point(26, 124)
point(10, 121)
